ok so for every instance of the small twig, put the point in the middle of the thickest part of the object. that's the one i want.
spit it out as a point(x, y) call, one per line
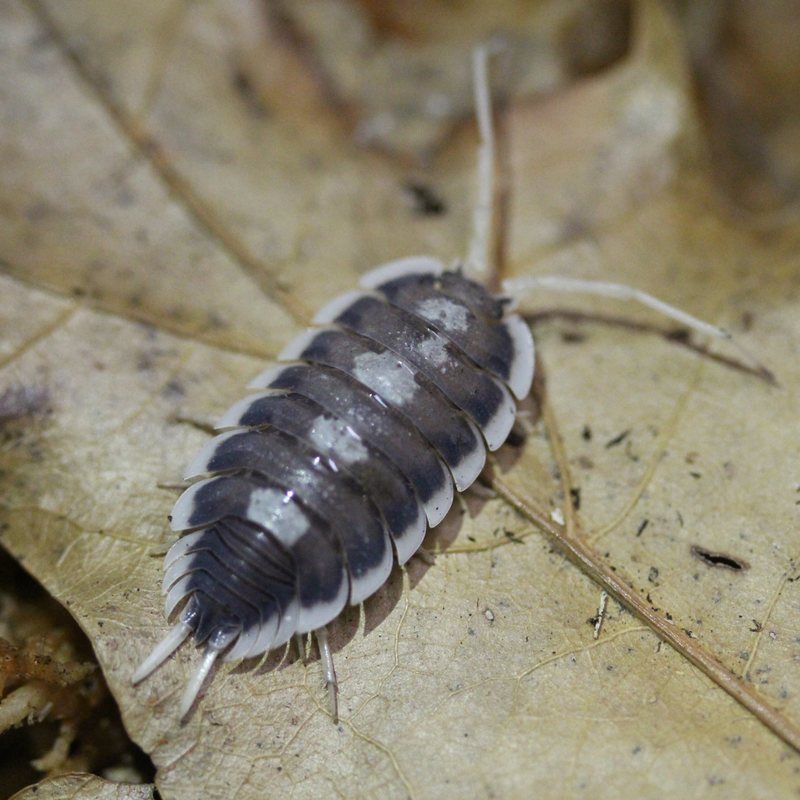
point(618, 586)
point(601, 614)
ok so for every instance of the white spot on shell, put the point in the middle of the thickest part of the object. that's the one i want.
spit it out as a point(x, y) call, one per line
point(449, 314)
point(273, 509)
point(433, 350)
point(387, 376)
point(334, 433)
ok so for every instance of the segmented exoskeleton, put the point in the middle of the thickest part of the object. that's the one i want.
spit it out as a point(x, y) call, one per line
point(352, 450)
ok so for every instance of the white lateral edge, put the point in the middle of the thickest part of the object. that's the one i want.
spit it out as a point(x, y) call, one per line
point(293, 350)
point(328, 313)
point(261, 381)
point(231, 419)
point(499, 426)
point(522, 365)
point(199, 465)
point(183, 509)
point(178, 550)
point(322, 613)
point(470, 467)
point(412, 265)
point(244, 644)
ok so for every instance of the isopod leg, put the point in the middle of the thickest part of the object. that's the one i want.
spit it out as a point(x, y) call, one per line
point(301, 646)
point(330, 673)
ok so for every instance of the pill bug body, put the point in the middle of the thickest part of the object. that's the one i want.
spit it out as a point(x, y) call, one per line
point(352, 448)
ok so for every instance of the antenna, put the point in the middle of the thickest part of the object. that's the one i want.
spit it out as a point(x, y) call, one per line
point(477, 260)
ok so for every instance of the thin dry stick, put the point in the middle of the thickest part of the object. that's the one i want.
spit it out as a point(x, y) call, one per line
point(560, 455)
point(619, 587)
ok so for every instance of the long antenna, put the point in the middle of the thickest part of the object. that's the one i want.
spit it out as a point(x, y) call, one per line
point(528, 284)
point(518, 287)
point(477, 260)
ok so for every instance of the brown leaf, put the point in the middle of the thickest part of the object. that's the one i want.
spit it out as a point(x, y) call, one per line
point(84, 787)
point(203, 218)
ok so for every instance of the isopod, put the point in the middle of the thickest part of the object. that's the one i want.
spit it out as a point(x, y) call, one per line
point(353, 446)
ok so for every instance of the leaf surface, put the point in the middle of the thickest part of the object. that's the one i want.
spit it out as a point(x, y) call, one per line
point(84, 787)
point(169, 225)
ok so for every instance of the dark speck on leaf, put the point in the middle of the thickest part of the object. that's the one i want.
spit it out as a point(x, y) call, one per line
point(24, 401)
point(424, 199)
point(573, 337)
point(619, 438)
point(244, 86)
point(516, 438)
point(720, 560)
point(173, 390)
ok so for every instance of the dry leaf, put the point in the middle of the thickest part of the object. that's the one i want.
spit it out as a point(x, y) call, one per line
point(167, 226)
point(84, 787)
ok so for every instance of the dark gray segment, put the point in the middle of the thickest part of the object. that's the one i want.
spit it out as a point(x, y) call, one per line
point(323, 571)
point(383, 426)
point(253, 551)
point(262, 581)
point(441, 361)
point(216, 499)
point(206, 617)
point(401, 385)
point(282, 573)
point(473, 295)
point(219, 601)
point(488, 344)
point(378, 476)
point(254, 499)
point(333, 495)
point(227, 584)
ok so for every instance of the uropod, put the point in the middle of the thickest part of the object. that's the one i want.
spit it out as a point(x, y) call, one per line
point(352, 447)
